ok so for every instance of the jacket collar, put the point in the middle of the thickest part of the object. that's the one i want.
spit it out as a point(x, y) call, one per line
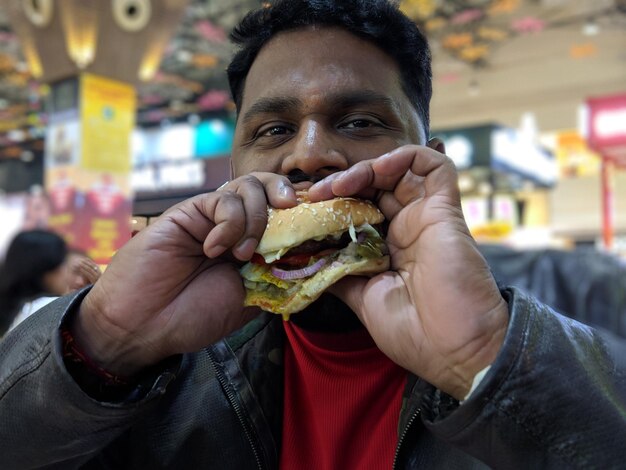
point(253, 360)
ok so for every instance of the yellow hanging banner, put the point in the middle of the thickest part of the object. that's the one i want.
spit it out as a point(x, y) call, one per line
point(107, 111)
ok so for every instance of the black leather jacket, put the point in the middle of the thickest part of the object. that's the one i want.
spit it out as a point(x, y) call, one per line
point(554, 398)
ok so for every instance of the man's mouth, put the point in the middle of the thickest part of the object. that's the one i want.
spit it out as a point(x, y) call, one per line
point(302, 186)
point(301, 180)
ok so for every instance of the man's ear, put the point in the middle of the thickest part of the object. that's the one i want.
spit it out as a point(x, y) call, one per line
point(437, 144)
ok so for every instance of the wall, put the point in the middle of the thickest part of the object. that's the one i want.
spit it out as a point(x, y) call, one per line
point(576, 206)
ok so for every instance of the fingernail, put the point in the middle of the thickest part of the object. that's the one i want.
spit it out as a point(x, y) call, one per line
point(285, 191)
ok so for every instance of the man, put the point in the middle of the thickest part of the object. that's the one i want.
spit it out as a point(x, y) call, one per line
point(334, 93)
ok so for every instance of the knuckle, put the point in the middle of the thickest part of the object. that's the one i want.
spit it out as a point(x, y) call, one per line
point(250, 180)
point(258, 219)
point(237, 225)
point(449, 163)
point(229, 197)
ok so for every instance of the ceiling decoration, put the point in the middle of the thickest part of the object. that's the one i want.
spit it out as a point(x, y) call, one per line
point(471, 30)
point(583, 51)
point(132, 15)
point(38, 12)
point(187, 73)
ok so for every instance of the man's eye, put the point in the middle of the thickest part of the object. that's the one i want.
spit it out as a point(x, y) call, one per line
point(358, 124)
point(275, 130)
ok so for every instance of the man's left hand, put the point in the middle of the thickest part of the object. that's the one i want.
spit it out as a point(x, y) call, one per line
point(438, 311)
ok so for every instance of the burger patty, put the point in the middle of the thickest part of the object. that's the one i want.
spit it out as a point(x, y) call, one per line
point(311, 247)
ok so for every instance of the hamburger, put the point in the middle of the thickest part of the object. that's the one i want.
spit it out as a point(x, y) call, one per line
point(307, 248)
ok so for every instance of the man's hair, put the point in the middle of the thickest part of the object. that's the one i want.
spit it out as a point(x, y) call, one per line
point(377, 21)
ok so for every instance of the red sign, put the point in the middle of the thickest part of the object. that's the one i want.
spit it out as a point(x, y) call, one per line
point(607, 126)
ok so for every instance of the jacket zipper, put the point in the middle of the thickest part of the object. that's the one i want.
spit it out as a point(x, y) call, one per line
point(235, 404)
point(403, 436)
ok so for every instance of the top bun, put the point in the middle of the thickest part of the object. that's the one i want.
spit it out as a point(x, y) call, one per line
point(287, 228)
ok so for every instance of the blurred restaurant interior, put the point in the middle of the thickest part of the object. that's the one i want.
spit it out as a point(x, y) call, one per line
point(111, 111)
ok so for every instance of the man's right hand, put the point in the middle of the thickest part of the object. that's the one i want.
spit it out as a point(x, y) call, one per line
point(175, 287)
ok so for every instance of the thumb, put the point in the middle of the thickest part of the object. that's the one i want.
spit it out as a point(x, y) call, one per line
point(350, 291)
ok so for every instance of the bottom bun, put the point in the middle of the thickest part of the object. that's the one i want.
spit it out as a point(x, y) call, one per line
point(312, 288)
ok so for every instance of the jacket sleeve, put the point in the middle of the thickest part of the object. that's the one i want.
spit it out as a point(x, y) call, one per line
point(47, 420)
point(554, 398)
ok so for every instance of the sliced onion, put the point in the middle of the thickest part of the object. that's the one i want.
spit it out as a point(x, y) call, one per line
point(361, 237)
point(298, 273)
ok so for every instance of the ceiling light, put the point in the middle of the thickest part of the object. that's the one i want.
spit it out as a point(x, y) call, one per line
point(591, 28)
point(184, 56)
point(80, 27)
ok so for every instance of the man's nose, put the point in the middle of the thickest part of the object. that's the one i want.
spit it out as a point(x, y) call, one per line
point(315, 151)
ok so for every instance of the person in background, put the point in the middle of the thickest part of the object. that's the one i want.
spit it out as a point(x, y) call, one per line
point(81, 270)
point(38, 268)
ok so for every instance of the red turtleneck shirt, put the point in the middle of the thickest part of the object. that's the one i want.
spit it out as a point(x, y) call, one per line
point(342, 402)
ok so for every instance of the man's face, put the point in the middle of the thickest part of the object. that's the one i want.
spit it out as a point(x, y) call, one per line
point(317, 101)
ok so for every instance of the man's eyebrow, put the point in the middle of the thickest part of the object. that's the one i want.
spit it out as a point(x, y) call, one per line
point(274, 105)
point(357, 98)
point(338, 101)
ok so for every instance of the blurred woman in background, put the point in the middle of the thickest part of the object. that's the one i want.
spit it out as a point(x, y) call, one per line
point(39, 267)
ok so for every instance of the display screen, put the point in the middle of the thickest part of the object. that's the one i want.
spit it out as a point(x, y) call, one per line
point(214, 138)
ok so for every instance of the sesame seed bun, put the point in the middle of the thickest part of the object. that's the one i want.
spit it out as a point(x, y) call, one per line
point(307, 221)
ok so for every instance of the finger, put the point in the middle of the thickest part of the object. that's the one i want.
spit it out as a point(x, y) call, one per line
point(278, 190)
point(420, 160)
point(253, 196)
point(350, 291)
point(408, 189)
point(192, 215)
point(227, 212)
point(86, 270)
point(257, 190)
point(198, 215)
point(322, 190)
point(438, 170)
point(359, 180)
point(89, 263)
